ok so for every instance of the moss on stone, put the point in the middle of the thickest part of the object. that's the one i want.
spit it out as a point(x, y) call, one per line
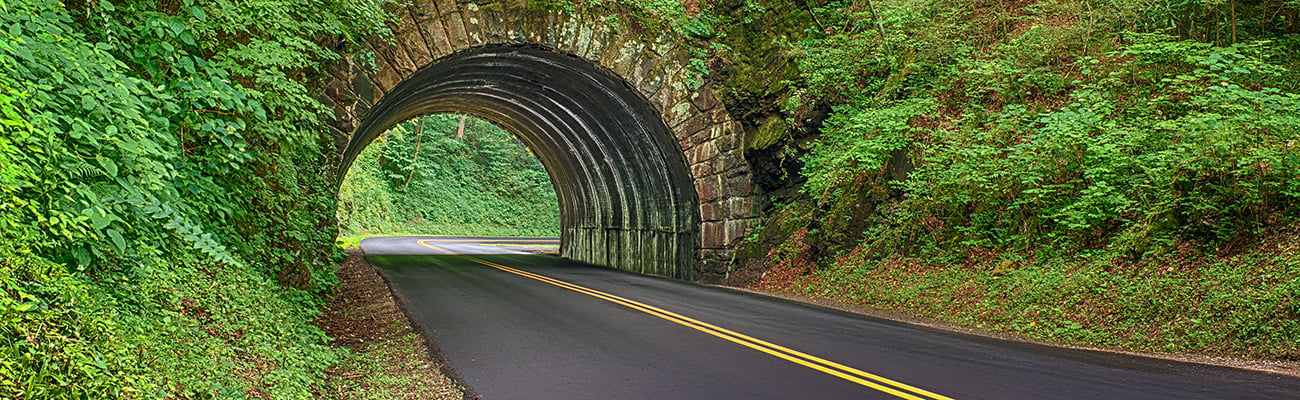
point(770, 131)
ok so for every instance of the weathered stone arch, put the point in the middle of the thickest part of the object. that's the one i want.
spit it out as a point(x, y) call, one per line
point(508, 63)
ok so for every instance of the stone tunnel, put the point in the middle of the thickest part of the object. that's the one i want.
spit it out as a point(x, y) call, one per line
point(649, 170)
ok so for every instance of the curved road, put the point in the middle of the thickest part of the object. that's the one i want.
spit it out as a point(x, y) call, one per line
point(523, 326)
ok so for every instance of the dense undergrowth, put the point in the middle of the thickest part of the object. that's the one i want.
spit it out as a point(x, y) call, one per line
point(161, 176)
point(1118, 172)
point(448, 175)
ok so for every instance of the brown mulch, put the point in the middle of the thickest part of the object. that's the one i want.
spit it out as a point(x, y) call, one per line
point(393, 357)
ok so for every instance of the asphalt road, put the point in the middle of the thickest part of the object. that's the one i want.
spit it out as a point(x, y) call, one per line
point(523, 326)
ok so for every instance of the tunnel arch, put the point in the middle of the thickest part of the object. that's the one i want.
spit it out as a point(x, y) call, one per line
point(654, 63)
point(627, 198)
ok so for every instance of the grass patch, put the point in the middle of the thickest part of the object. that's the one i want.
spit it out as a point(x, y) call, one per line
point(1179, 301)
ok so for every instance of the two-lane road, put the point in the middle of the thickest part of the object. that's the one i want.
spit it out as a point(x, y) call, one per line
point(523, 326)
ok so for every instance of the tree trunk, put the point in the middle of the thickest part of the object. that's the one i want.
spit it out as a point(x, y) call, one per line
point(1232, 6)
point(419, 134)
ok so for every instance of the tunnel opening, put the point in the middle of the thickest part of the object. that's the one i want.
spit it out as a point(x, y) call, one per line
point(448, 175)
point(626, 198)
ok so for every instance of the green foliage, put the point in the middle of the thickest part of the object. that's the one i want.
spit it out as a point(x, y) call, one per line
point(668, 15)
point(857, 142)
point(1115, 173)
point(1028, 131)
point(485, 183)
point(1175, 301)
point(159, 168)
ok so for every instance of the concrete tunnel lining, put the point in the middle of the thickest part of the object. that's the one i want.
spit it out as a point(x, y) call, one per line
point(626, 196)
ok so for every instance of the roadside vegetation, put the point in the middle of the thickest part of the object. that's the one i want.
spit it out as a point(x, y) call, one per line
point(1117, 173)
point(447, 175)
point(389, 358)
point(161, 178)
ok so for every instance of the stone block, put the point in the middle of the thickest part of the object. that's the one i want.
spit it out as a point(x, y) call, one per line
point(340, 140)
point(647, 76)
point(741, 207)
point(720, 116)
point(696, 123)
point(628, 55)
point(435, 35)
point(417, 49)
point(532, 26)
point(664, 44)
point(704, 98)
point(513, 21)
point(731, 163)
point(361, 110)
point(405, 20)
point(723, 190)
point(726, 143)
point(339, 92)
point(470, 18)
point(701, 137)
point(712, 234)
point(341, 69)
point(673, 91)
point(599, 42)
point(678, 113)
point(714, 211)
point(739, 186)
point(702, 170)
point(364, 88)
point(567, 35)
point(453, 23)
point(582, 44)
point(613, 45)
point(385, 80)
point(550, 35)
point(493, 23)
point(395, 56)
point(712, 270)
point(718, 131)
point(706, 189)
point(741, 168)
point(423, 10)
point(735, 231)
point(704, 152)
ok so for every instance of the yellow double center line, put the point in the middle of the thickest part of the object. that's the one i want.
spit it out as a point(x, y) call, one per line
point(829, 367)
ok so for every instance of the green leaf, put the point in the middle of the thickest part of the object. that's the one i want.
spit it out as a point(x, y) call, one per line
point(119, 243)
point(98, 218)
point(109, 166)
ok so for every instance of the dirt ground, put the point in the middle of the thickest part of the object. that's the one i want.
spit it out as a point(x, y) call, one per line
point(390, 359)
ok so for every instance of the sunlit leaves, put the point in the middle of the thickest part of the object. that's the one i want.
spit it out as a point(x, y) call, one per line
point(125, 145)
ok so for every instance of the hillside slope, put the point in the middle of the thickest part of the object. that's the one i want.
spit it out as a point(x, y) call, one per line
point(1118, 173)
point(160, 176)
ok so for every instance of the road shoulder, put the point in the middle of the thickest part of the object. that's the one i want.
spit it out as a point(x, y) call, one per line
point(388, 357)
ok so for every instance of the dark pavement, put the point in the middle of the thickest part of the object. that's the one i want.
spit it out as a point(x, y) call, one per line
point(524, 326)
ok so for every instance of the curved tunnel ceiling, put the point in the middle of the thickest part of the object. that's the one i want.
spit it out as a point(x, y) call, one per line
point(626, 196)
